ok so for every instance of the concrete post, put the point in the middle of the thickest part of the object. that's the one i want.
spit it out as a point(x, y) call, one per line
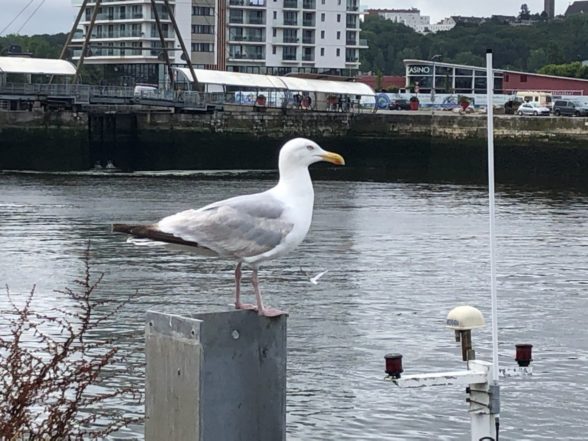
point(215, 376)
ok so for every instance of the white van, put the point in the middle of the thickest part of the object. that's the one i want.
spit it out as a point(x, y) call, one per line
point(144, 90)
point(540, 98)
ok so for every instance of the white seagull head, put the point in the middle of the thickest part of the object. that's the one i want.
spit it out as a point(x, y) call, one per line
point(301, 152)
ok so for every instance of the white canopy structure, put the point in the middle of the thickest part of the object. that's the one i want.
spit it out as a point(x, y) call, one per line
point(265, 82)
point(36, 66)
point(327, 86)
point(237, 79)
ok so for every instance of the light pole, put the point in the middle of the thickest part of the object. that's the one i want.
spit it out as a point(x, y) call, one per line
point(434, 58)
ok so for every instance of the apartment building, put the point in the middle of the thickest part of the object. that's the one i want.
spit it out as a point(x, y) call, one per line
point(254, 36)
point(125, 37)
point(281, 36)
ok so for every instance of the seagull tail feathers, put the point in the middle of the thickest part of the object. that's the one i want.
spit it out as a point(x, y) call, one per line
point(153, 233)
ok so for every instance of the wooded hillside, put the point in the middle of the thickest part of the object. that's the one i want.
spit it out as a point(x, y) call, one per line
point(526, 48)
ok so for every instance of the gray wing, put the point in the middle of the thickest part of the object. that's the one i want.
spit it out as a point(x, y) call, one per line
point(240, 227)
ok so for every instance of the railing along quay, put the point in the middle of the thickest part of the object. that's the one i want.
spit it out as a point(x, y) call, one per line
point(77, 97)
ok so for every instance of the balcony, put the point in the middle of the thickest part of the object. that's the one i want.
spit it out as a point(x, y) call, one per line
point(306, 4)
point(309, 23)
point(162, 15)
point(306, 57)
point(256, 20)
point(247, 38)
point(289, 57)
point(155, 34)
point(352, 6)
point(351, 60)
point(239, 56)
point(290, 39)
point(352, 24)
point(110, 52)
point(235, 19)
point(291, 4)
point(112, 17)
point(351, 42)
point(308, 40)
point(248, 3)
point(290, 22)
point(114, 34)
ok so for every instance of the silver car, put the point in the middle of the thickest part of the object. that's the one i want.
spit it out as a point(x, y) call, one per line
point(533, 109)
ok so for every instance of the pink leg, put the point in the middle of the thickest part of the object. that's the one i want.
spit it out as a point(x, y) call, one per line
point(238, 304)
point(267, 312)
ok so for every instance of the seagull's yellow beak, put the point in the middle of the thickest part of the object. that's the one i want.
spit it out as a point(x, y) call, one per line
point(333, 158)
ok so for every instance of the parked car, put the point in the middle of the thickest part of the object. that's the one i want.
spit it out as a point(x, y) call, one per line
point(533, 109)
point(399, 104)
point(570, 108)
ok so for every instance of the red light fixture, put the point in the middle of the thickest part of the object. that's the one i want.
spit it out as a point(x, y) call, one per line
point(394, 365)
point(524, 354)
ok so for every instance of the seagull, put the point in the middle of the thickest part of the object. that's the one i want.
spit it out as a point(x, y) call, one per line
point(314, 280)
point(249, 229)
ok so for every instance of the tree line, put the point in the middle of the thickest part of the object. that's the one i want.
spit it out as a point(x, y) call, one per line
point(552, 47)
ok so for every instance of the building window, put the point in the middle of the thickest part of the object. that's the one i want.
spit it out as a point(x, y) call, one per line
point(202, 47)
point(322, 35)
point(322, 51)
point(202, 10)
point(322, 2)
point(506, 77)
point(274, 32)
point(338, 52)
point(323, 16)
point(523, 78)
point(136, 12)
point(275, 15)
point(274, 50)
point(203, 29)
point(338, 18)
point(290, 18)
point(289, 53)
point(338, 35)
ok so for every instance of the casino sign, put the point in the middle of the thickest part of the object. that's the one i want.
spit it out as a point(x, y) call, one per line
point(419, 70)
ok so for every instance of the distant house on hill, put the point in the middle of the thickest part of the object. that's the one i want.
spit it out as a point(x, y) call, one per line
point(413, 19)
point(458, 19)
point(504, 19)
point(577, 8)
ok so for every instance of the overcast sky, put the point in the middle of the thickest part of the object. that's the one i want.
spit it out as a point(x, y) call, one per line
point(55, 16)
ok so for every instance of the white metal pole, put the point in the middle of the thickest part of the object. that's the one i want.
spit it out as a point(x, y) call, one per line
point(492, 206)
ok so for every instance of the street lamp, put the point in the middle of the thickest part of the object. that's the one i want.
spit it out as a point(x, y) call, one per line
point(434, 58)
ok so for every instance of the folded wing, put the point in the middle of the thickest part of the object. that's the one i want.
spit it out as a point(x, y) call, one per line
point(239, 227)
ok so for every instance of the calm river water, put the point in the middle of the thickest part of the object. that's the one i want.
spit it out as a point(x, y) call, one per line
point(399, 256)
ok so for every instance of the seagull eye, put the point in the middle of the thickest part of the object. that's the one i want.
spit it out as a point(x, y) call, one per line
point(309, 147)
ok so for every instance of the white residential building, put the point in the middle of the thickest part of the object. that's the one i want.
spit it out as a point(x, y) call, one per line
point(444, 25)
point(413, 19)
point(256, 36)
point(125, 35)
point(281, 36)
